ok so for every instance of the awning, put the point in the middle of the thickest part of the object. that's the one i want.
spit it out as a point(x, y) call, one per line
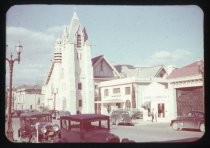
point(146, 105)
point(111, 101)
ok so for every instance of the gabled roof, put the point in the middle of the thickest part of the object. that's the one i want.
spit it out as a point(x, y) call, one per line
point(139, 72)
point(189, 70)
point(97, 59)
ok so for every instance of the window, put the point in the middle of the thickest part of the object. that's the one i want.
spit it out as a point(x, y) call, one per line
point(78, 41)
point(79, 86)
point(80, 103)
point(116, 90)
point(106, 92)
point(127, 90)
point(65, 124)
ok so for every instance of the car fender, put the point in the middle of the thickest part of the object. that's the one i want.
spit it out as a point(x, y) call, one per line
point(113, 139)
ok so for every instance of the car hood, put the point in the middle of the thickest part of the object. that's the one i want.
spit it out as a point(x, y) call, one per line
point(182, 117)
point(47, 125)
point(101, 136)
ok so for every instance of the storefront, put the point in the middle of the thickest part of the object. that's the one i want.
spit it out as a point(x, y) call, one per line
point(155, 101)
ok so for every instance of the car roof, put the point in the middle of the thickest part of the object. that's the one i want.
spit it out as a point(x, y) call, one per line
point(197, 111)
point(120, 110)
point(79, 117)
point(34, 114)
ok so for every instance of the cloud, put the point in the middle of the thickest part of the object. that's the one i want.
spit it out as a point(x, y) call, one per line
point(37, 53)
point(173, 57)
point(57, 30)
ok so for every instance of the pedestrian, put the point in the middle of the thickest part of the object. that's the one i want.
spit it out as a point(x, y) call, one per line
point(152, 114)
point(155, 116)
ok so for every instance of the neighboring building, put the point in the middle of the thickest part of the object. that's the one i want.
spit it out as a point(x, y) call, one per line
point(69, 84)
point(27, 97)
point(156, 99)
point(170, 92)
point(141, 72)
point(129, 92)
point(102, 71)
point(186, 88)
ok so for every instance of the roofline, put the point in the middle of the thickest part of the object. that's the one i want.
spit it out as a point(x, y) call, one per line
point(103, 57)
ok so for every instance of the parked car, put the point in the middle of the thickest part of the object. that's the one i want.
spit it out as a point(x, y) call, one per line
point(89, 128)
point(135, 113)
point(63, 113)
point(16, 113)
point(37, 127)
point(192, 120)
point(120, 117)
point(56, 114)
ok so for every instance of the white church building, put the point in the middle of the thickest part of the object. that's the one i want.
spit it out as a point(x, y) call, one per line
point(69, 84)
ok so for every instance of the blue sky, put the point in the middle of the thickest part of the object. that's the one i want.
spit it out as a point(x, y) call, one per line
point(136, 35)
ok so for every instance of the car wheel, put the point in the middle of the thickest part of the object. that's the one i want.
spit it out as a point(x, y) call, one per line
point(23, 139)
point(175, 126)
point(32, 139)
point(202, 127)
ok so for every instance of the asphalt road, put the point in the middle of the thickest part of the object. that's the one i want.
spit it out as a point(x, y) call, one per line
point(146, 131)
point(142, 131)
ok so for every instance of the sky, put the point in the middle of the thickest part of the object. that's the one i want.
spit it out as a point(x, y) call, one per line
point(125, 34)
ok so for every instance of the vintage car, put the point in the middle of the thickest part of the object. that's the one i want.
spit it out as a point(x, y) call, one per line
point(121, 117)
point(192, 120)
point(37, 127)
point(135, 113)
point(86, 128)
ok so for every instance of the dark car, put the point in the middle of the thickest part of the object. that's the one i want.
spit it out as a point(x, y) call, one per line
point(192, 120)
point(16, 113)
point(37, 127)
point(120, 117)
point(88, 128)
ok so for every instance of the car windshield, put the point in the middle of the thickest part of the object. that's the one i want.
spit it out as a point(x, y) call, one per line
point(34, 120)
point(125, 113)
point(87, 125)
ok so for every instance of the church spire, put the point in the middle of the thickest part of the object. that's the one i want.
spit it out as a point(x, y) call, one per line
point(75, 17)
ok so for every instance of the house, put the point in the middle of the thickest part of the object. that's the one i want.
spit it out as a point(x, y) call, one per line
point(27, 97)
point(103, 70)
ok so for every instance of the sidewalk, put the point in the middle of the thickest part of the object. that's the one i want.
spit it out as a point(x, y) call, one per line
point(143, 122)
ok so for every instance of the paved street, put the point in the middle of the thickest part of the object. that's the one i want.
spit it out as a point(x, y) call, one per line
point(146, 131)
point(142, 131)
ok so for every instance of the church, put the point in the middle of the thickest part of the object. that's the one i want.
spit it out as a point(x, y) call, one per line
point(69, 84)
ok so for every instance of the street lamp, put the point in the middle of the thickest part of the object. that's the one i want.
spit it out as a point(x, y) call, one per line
point(11, 62)
point(55, 91)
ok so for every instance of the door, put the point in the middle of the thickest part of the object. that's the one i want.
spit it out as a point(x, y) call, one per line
point(161, 110)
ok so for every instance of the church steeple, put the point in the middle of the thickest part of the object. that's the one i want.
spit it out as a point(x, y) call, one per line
point(73, 27)
point(75, 16)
